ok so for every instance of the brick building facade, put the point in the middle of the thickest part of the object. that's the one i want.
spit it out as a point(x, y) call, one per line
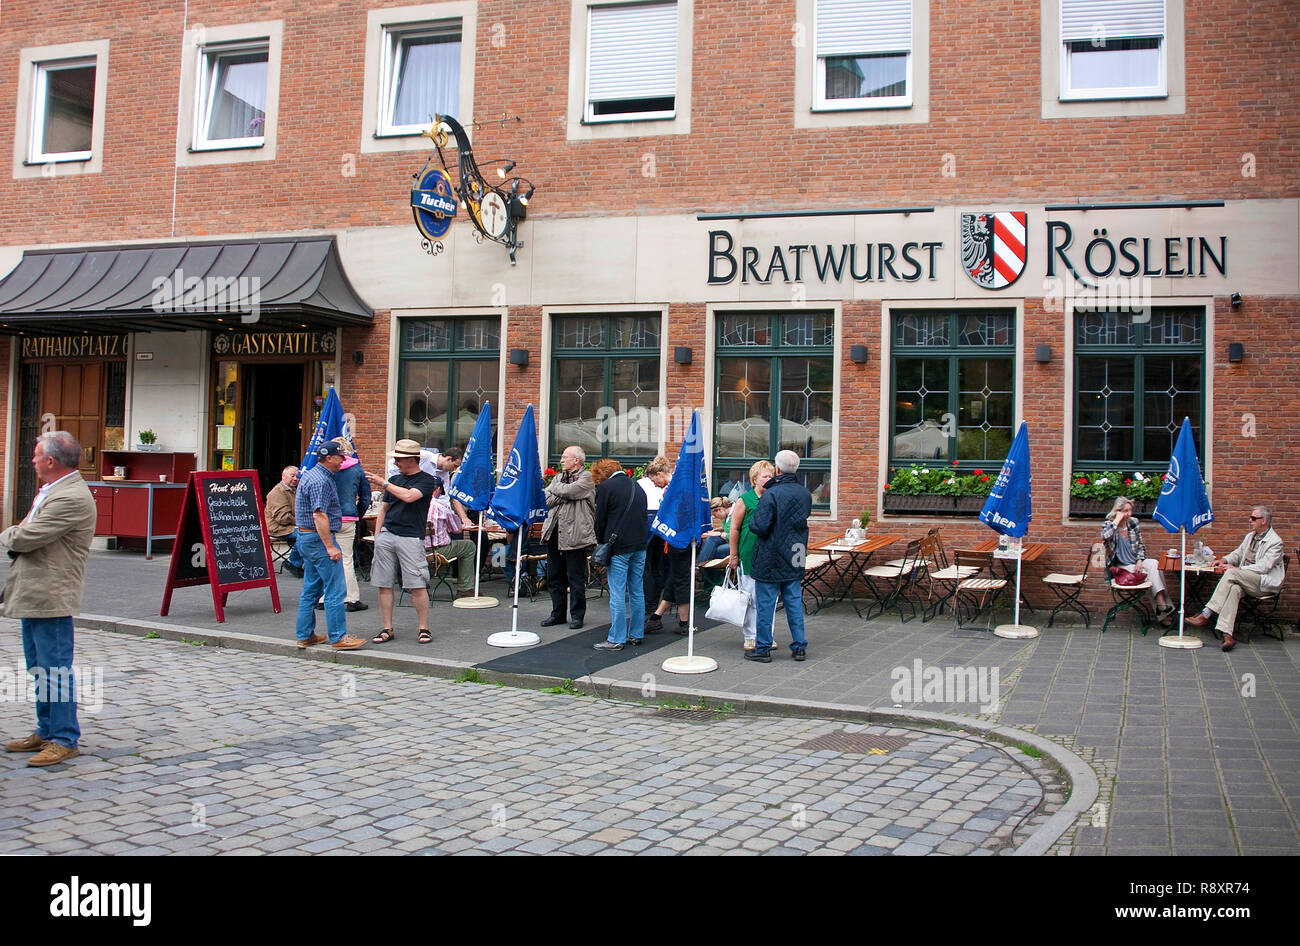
point(706, 192)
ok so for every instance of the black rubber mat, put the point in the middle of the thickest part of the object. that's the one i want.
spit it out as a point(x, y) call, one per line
point(572, 657)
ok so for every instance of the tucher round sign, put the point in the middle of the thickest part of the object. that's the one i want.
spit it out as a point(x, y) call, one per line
point(433, 204)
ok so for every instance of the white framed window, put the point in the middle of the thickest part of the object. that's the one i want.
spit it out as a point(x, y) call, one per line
point(419, 63)
point(421, 76)
point(63, 111)
point(1113, 49)
point(231, 96)
point(59, 123)
point(864, 54)
point(859, 63)
point(629, 68)
point(1112, 58)
point(631, 62)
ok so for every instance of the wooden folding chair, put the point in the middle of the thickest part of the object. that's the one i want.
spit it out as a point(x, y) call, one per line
point(942, 579)
point(1129, 598)
point(1261, 613)
point(981, 591)
point(1069, 587)
point(889, 584)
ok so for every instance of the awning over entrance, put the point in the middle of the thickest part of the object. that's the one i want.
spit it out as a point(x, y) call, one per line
point(287, 282)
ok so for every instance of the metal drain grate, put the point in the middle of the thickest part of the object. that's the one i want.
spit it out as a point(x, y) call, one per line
point(856, 743)
point(690, 715)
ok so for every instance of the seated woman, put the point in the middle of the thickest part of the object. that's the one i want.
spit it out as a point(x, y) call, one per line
point(1124, 548)
point(715, 544)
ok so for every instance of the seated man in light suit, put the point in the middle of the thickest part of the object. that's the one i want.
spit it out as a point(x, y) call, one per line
point(1255, 568)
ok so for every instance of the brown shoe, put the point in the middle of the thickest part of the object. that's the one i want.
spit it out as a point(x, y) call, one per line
point(1228, 644)
point(349, 643)
point(52, 754)
point(312, 641)
point(1198, 620)
point(32, 743)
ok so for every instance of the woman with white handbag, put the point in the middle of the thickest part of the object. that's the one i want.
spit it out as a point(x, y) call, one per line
point(743, 543)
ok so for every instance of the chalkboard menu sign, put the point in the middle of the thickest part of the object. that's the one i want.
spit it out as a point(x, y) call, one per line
point(222, 539)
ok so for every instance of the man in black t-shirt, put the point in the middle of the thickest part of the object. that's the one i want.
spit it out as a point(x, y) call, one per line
point(399, 538)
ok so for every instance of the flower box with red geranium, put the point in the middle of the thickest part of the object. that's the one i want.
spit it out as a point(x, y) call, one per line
point(937, 490)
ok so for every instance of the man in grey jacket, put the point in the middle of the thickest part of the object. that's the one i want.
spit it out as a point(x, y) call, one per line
point(570, 532)
point(1254, 568)
point(43, 588)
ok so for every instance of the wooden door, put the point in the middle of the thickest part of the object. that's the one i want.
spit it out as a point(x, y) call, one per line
point(74, 395)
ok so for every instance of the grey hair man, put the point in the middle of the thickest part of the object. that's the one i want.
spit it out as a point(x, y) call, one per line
point(44, 589)
point(569, 533)
point(781, 524)
point(1254, 568)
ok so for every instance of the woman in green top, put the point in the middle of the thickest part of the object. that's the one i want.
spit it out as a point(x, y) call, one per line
point(743, 541)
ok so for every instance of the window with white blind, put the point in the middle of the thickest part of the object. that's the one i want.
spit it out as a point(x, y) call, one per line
point(231, 101)
point(1113, 49)
point(864, 54)
point(631, 62)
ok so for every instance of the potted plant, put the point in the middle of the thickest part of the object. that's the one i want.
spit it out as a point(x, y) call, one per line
point(149, 442)
point(1093, 493)
point(937, 490)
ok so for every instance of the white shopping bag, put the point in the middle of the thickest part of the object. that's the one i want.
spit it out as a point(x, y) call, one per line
point(727, 602)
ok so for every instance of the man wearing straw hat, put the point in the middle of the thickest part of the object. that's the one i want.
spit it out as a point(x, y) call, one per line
point(399, 538)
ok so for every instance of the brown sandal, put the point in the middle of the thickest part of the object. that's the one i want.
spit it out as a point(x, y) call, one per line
point(426, 636)
point(384, 636)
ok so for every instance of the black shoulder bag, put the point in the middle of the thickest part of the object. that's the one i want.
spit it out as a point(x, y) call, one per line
point(603, 552)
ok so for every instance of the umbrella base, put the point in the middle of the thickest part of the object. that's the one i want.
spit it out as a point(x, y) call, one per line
point(1181, 643)
point(513, 639)
point(482, 601)
point(696, 664)
point(1015, 632)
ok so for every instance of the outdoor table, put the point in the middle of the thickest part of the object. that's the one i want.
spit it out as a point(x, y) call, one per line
point(1198, 578)
point(1029, 552)
point(846, 567)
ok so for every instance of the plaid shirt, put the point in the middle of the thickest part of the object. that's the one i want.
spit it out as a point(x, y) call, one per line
point(1134, 532)
point(442, 520)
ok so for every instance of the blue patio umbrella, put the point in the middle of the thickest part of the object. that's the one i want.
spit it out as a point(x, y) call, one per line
point(683, 515)
point(473, 484)
point(1009, 508)
point(1183, 506)
point(518, 502)
point(328, 427)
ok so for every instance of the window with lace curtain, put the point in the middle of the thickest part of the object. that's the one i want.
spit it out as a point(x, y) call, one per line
point(231, 95)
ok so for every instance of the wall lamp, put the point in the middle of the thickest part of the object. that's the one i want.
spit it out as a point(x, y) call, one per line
point(359, 357)
point(519, 356)
point(1235, 299)
point(682, 355)
point(1236, 352)
point(858, 354)
point(1043, 354)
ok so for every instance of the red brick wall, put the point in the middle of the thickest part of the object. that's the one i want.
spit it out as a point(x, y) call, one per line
point(742, 152)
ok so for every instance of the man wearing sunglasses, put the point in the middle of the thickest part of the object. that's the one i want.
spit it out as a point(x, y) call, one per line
point(1255, 568)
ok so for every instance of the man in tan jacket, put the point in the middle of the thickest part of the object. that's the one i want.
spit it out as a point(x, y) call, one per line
point(44, 588)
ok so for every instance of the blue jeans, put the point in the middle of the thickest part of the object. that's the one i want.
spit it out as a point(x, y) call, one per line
point(319, 574)
point(295, 556)
point(626, 574)
point(791, 593)
point(47, 645)
point(715, 546)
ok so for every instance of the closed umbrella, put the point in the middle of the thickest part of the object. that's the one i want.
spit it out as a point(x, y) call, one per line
point(1183, 507)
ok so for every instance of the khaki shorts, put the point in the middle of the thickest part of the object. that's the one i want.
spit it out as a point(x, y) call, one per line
point(393, 551)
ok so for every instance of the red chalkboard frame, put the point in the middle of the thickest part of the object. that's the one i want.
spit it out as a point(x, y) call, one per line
point(194, 512)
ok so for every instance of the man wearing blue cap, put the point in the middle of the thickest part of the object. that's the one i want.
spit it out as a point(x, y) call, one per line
point(318, 516)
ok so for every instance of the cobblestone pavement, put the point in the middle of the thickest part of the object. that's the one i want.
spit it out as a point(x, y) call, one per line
point(208, 750)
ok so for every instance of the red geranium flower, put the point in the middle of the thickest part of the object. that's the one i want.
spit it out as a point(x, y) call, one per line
point(954, 462)
point(979, 473)
point(550, 471)
point(628, 472)
point(1127, 481)
point(984, 479)
point(886, 486)
point(1082, 481)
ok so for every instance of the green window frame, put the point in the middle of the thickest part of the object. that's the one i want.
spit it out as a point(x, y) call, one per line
point(605, 386)
point(1134, 381)
point(782, 359)
point(952, 387)
point(443, 362)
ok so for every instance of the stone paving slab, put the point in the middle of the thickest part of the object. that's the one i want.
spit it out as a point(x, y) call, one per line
point(1165, 732)
point(483, 786)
